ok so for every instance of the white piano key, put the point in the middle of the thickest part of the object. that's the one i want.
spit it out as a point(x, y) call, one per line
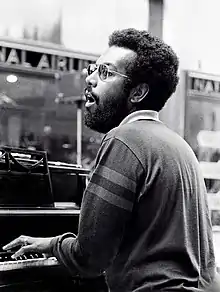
point(29, 263)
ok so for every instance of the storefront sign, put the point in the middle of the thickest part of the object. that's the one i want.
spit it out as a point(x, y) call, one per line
point(204, 85)
point(37, 60)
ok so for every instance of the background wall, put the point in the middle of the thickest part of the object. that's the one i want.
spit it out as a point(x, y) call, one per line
point(35, 19)
point(87, 24)
point(191, 28)
point(79, 25)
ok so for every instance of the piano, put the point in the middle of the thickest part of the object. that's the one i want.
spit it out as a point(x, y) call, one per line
point(55, 212)
point(35, 273)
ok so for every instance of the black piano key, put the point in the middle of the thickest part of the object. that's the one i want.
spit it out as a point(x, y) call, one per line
point(6, 256)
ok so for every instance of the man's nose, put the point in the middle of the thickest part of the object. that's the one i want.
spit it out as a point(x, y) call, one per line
point(91, 80)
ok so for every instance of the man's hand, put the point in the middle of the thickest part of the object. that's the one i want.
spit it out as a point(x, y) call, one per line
point(29, 244)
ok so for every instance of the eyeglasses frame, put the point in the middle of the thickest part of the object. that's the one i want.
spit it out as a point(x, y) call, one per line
point(109, 70)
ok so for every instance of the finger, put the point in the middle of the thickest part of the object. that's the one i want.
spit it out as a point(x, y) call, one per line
point(24, 249)
point(16, 242)
point(12, 244)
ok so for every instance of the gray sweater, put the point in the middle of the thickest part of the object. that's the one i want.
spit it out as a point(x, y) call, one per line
point(144, 218)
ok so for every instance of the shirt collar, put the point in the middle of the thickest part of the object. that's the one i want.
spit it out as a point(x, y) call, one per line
point(141, 115)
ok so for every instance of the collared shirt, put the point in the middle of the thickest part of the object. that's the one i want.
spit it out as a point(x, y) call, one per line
point(141, 115)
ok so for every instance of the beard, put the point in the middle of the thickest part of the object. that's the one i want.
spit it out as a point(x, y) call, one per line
point(108, 114)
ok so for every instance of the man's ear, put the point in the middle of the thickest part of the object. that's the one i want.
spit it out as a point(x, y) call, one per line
point(139, 92)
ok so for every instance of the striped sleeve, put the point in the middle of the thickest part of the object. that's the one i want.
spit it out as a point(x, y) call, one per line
point(106, 208)
point(113, 187)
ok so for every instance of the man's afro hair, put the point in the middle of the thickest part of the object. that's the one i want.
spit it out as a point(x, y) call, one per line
point(155, 64)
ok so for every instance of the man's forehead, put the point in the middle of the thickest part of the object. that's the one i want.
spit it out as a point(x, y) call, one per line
point(116, 56)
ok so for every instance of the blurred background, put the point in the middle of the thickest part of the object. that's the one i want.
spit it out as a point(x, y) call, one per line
point(46, 44)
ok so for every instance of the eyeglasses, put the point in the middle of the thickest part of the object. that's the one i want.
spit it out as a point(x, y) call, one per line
point(104, 71)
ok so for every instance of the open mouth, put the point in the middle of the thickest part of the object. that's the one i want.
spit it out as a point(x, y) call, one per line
point(90, 99)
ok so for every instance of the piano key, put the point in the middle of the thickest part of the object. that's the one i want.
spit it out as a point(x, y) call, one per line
point(9, 265)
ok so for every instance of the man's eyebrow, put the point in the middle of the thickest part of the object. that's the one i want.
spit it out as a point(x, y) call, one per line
point(107, 63)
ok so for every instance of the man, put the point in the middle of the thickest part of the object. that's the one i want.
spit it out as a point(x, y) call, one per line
point(144, 218)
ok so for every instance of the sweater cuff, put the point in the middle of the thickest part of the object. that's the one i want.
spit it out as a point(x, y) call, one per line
point(56, 242)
